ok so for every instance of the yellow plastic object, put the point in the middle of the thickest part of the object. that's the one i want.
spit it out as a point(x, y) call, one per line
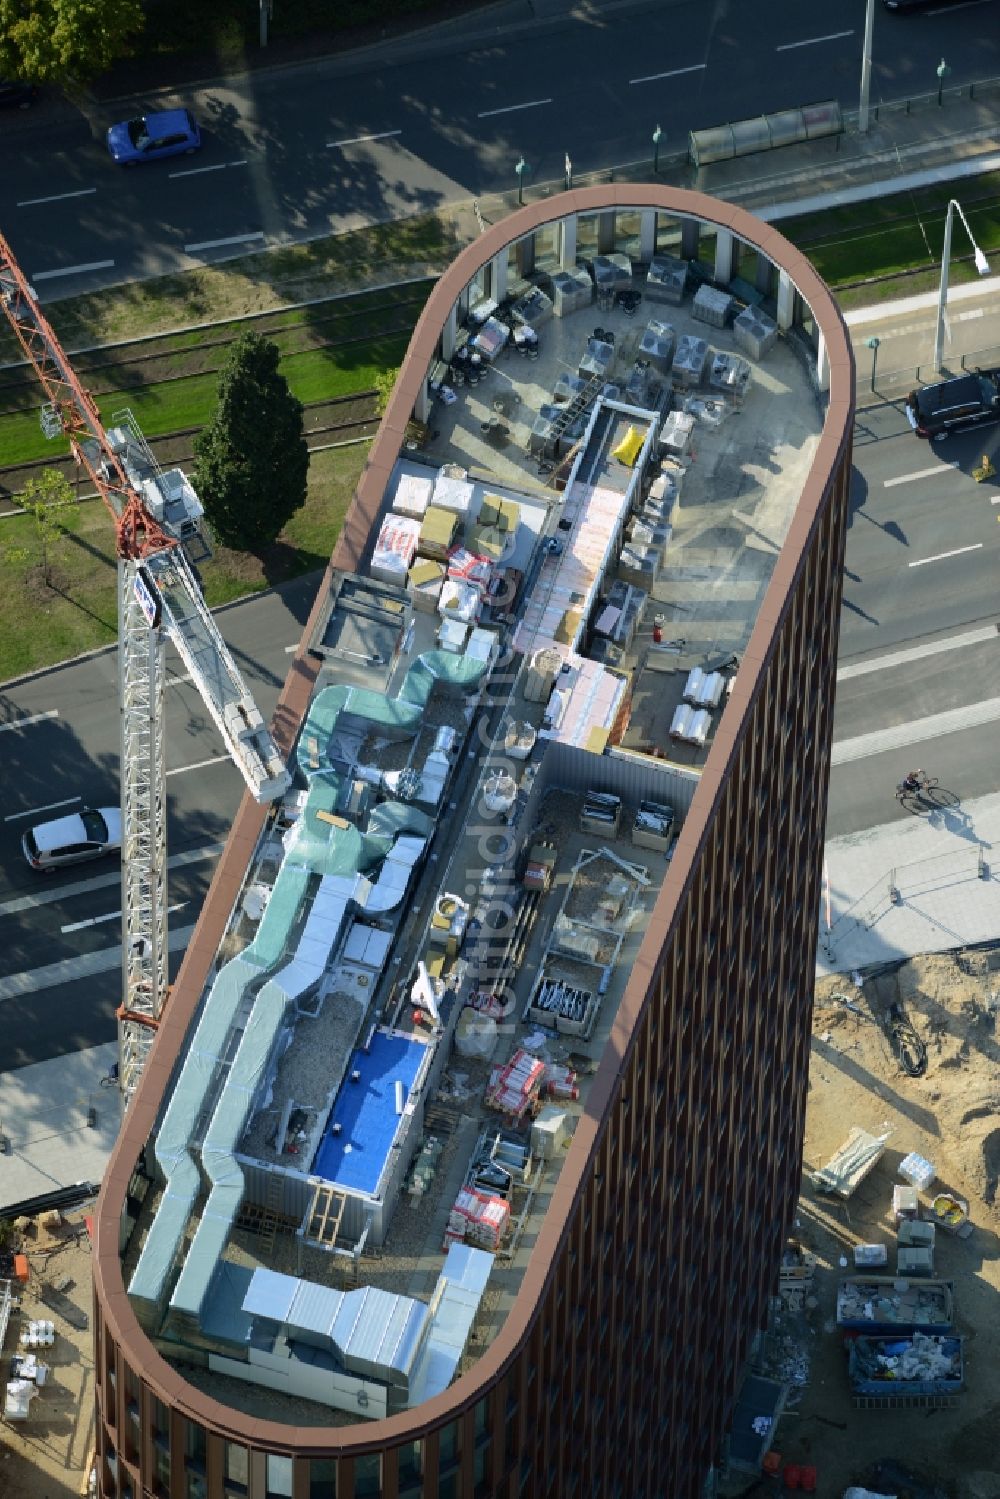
point(627, 450)
point(986, 470)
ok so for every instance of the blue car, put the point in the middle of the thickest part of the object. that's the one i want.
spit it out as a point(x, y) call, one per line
point(164, 132)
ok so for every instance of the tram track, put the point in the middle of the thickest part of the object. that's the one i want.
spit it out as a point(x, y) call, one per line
point(341, 419)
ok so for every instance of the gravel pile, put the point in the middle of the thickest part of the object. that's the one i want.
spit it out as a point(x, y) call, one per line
point(308, 1073)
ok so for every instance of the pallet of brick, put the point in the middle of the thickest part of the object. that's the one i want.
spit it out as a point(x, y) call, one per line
point(480, 1217)
point(712, 306)
point(666, 280)
point(514, 1087)
point(755, 333)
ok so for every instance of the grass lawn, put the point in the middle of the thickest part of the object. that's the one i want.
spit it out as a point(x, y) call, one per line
point(313, 375)
point(41, 624)
point(893, 235)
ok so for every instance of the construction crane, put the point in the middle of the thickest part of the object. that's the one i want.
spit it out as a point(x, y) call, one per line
point(157, 517)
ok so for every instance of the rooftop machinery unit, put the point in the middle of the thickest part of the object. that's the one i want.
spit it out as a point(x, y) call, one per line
point(158, 596)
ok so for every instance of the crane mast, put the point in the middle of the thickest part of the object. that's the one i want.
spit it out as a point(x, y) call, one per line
point(155, 515)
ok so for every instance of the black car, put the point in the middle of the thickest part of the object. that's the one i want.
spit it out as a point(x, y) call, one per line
point(15, 95)
point(935, 410)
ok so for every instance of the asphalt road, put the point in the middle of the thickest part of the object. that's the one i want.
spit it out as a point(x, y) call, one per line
point(922, 568)
point(336, 143)
point(59, 934)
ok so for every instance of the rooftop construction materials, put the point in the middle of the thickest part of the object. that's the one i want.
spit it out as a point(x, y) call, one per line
point(712, 306)
point(690, 360)
point(666, 280)
point(514, 1088)
point(847, 1169)
point(653, 825)
point(922, 1364)
point(755, 333)
point(866, 1302)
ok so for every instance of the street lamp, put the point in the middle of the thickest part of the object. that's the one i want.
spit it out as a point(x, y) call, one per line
point(520, 169)
point(657, 137)
point(942, 72)
point(866, 69)
point(982, 266)
point(873, 343)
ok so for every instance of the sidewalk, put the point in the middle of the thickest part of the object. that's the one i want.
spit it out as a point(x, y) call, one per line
point(945, 871)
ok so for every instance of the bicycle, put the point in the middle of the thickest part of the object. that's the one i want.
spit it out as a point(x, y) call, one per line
point(926, 783)
point(110, 1080)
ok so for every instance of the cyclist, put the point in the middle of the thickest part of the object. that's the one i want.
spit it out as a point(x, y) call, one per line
point(915, 780)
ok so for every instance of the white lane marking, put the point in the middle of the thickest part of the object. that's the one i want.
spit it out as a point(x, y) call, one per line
point(918, 730)
point(22, 723)
point(178, 681)
point(509, 109)
point(942, 556)
point(916, 653)
point(242, 163)
point(362, 140)
point(73, 270)
point(200, 765)
point(920, 473)
point(697, 67)
point(290, 648)
point(49, 807)
point(101, 882)
point(811, 41)
point(217, 244)
point(83, 192)
point(77, 926)
point(198, 171)
point(81, 966)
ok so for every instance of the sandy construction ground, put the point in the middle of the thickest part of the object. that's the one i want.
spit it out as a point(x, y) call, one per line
point(46, 1457)
point(951, 1116)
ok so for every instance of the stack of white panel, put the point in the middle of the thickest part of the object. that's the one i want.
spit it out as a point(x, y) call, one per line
point(690, 724)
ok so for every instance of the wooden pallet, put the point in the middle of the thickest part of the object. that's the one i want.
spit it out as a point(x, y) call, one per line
point(441, 1118)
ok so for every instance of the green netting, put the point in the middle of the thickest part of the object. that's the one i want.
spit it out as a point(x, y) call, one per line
point(385, 712)
point(392, 818)
point(458, 671)
point(279, 916)
point(320, 722)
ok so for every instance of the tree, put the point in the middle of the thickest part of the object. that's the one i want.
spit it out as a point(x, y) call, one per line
point(385, 384)
point(65, 41)
point(251, 461)
point(46, 499)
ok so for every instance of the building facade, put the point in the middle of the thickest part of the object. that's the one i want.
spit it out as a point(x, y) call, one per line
point(616, 1370)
